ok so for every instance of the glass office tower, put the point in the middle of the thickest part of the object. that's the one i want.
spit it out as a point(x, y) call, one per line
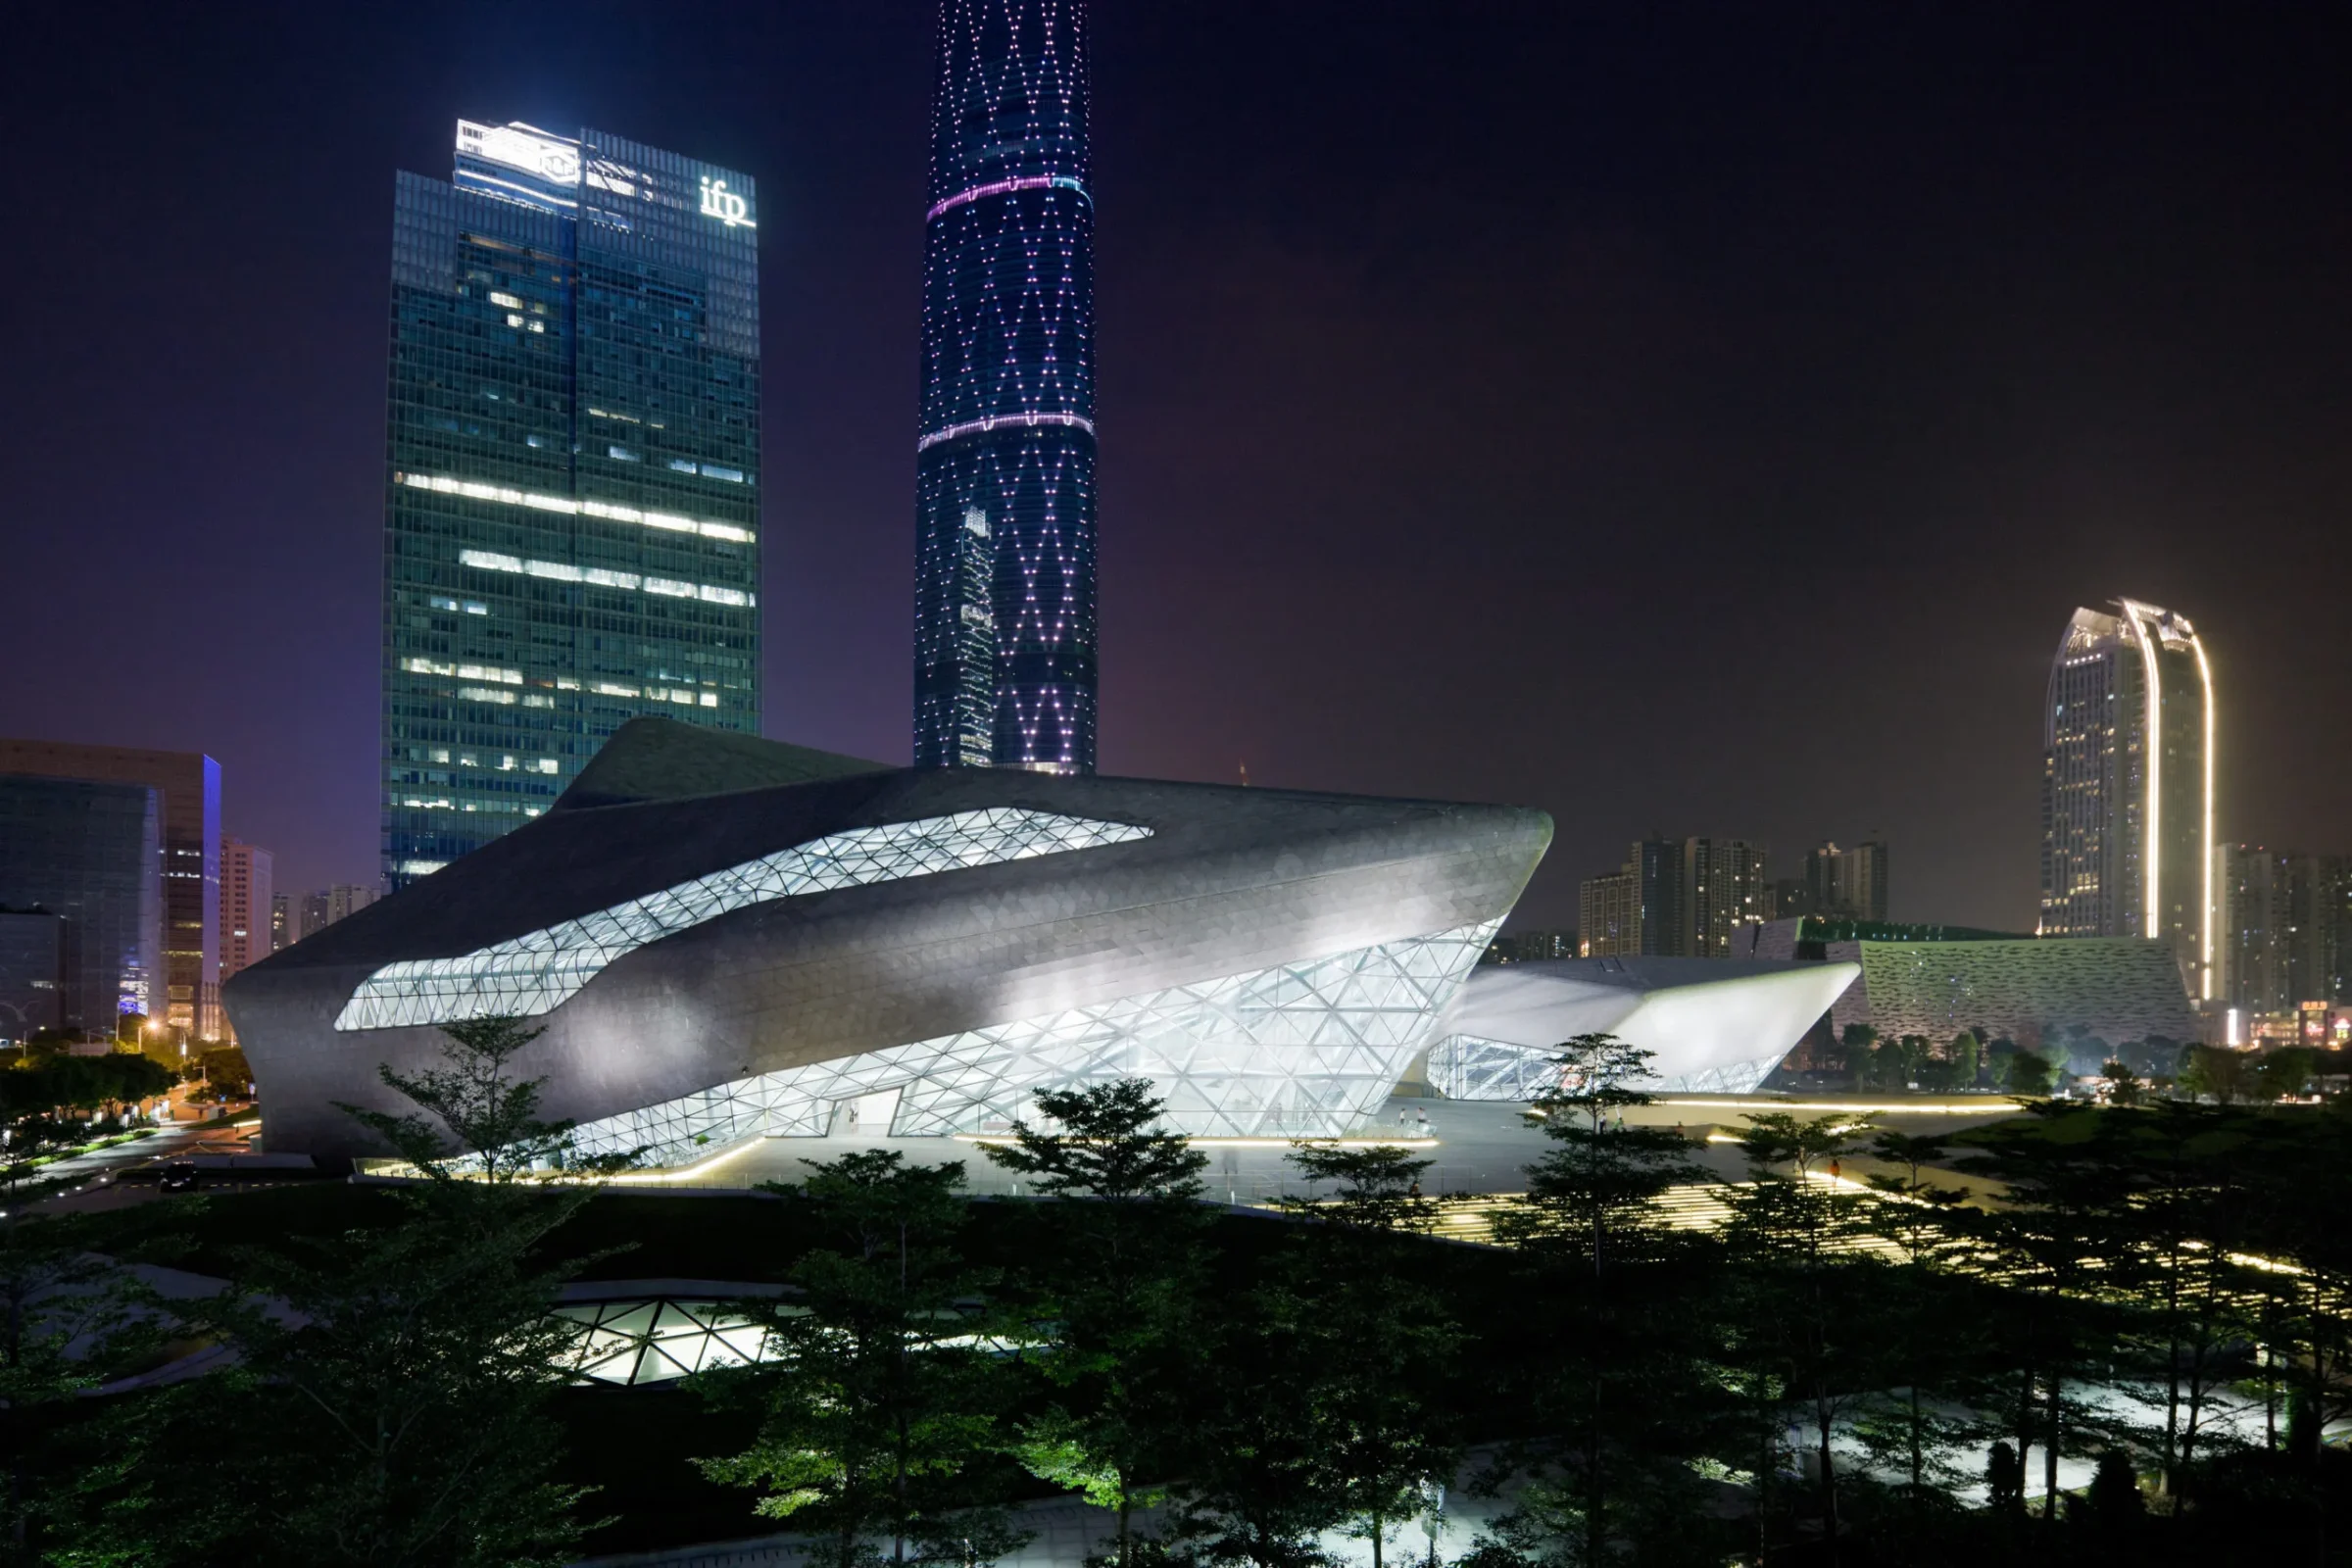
point(185, 992)
point(91, 852)
point(1004, 456)
point(572, 515)
point(2127, 785)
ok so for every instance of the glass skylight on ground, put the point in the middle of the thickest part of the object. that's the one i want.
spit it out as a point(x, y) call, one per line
point(658, 1340)
point(1307, 1049)
point(535, 972)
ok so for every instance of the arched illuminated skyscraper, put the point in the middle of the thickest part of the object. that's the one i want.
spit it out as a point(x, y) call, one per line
point(1005, 456)
point(2128, 760)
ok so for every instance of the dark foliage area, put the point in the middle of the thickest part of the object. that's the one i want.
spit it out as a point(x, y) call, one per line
point(2131, 1355)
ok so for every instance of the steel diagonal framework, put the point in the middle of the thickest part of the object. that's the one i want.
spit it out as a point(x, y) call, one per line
point(1304, 1049)
point(538, 971)
point(658, 1340)
point(1471, 1067)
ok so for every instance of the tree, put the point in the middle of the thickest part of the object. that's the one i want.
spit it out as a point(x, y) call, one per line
point(489, 1119)
point(1800, 1232)
point(396, 1382)
point(1902, 1063)
point(1616, 1380)
point(2284, 1074)
point(873, 1394)
point(2124, 1086)
point(1929, 1329)
point(1967, 1058)
point(2179, 1225)
point(2004, 1480)
point(226, 1072)
point(2215, 1071)
point(386, 1402)
point(1261, 1486)
point(2027, 1075)
point(2057, 1235)
point(2111, 1508)
point(65, 1322)
point(1117, 1270)
point(1854, 1048)
point(1379, 1187)
point(1370, 1343)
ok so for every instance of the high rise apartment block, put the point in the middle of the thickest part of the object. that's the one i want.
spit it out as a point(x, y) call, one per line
point(326, 905)
point(186, 991)
point(1674, 898)
point(2283, 929)
point(1723, 888)
point(2127, 797)
point(572, 497)
point(1005, 451)
point(1657, 866)
point(1849, 884)
point(1608, 916)
point(246, 896)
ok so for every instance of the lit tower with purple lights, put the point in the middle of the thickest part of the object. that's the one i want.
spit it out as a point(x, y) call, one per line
point(1005, 456)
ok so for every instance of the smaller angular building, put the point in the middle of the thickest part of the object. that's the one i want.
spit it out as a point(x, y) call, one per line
point(1936, 980)
point(725, 938)
point(1713, 1025)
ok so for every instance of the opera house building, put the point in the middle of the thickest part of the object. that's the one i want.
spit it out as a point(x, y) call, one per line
point(726, 938)
point(1711, 1025)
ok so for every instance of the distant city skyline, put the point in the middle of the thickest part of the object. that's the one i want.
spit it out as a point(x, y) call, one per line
point(1866, 397)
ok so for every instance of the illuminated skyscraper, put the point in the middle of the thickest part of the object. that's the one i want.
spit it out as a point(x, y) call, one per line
point(186, 992)
point(1004, 456)
point(571, 510)
point(2127, 785)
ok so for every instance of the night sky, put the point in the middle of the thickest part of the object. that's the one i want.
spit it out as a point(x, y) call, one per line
point(1699, 422)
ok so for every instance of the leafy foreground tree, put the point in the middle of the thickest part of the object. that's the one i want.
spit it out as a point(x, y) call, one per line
point(488, 1119)
point(1614, 1369)
point(387, 1401)
point(1927, 1319)
point(1343, 1421)
point(1798, 1235)
point(875, 1394)
point(1118, 1271)
point(68, 1319)
point(1377, 1188)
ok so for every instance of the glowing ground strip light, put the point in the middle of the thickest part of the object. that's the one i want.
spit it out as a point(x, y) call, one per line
point(1000, 187)
point(669, 522)
point(953, 432)
point(539, 970)
point(605, 578)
